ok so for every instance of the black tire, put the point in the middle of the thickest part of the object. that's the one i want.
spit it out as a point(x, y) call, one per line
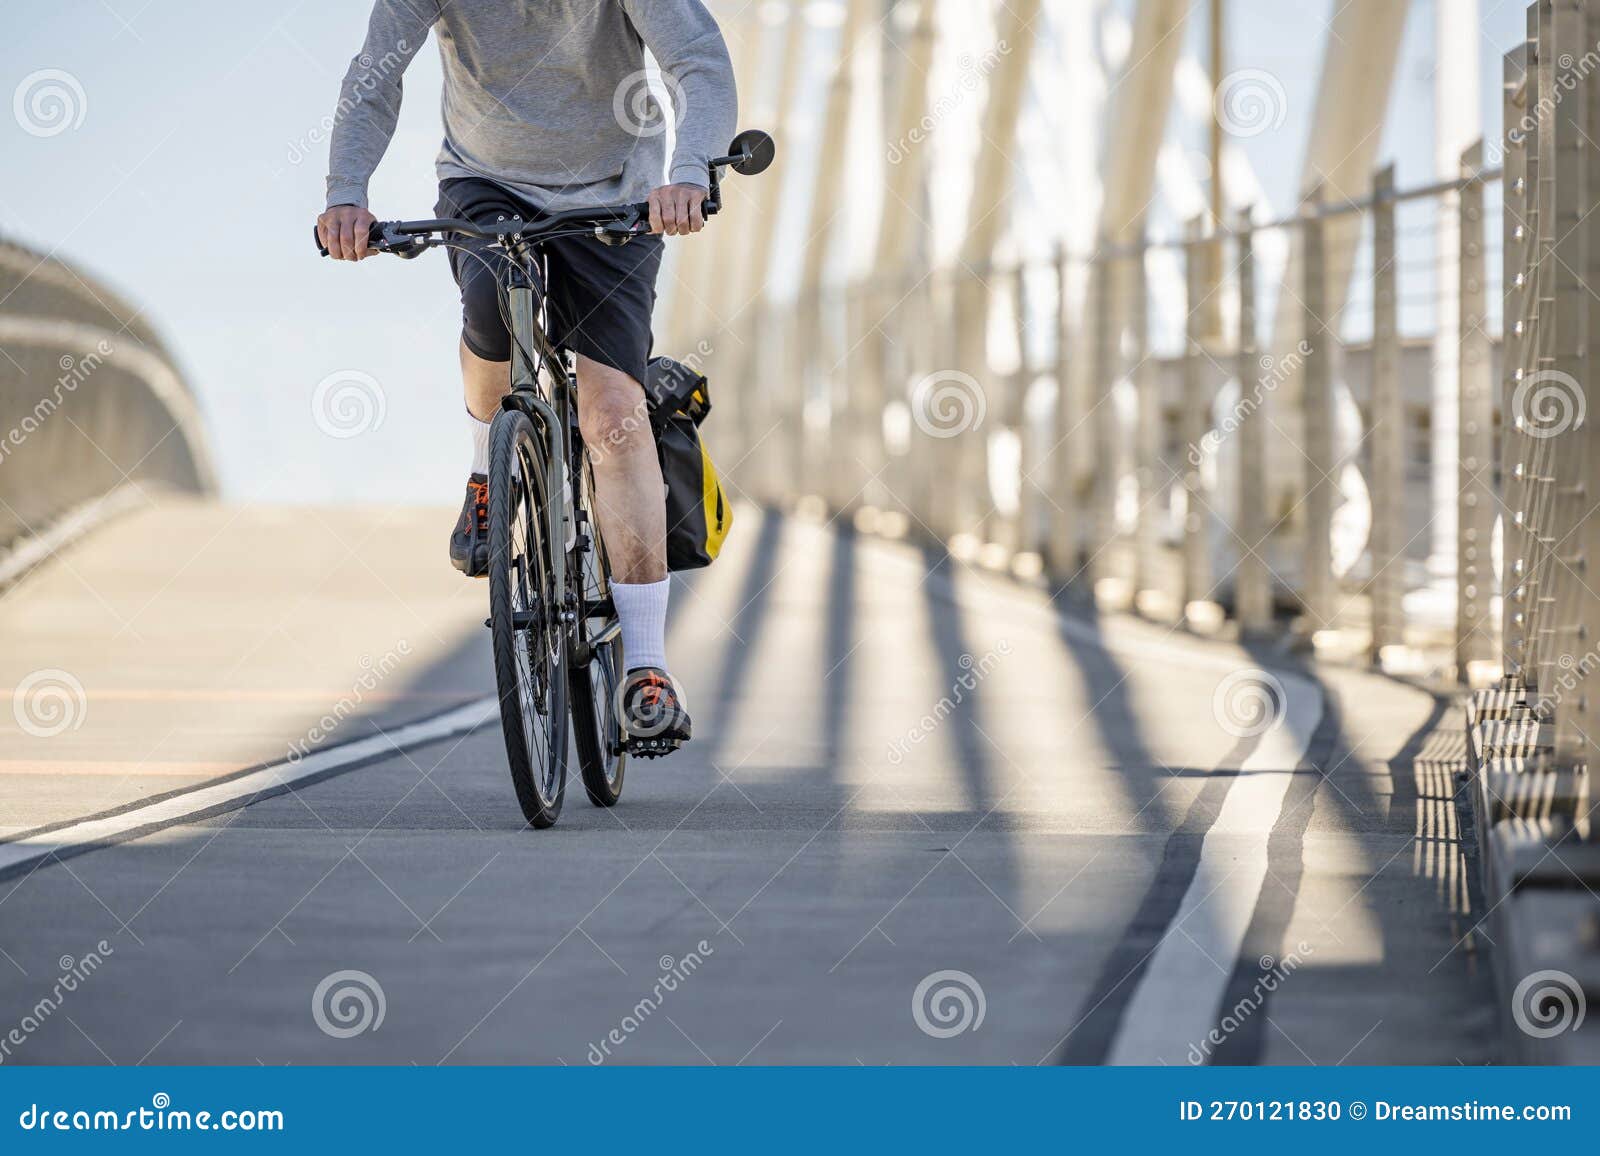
point(530, 665)
point(602, 745)
point(602, 755)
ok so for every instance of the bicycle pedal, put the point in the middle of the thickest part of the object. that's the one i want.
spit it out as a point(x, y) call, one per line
point(653, 748)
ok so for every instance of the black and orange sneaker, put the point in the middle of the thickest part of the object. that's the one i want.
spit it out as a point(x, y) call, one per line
point(469, 541)
point(652, 714)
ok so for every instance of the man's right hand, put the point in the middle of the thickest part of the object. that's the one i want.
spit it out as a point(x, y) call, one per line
point(343, 230)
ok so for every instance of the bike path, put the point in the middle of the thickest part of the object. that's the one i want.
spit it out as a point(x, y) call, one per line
point(929, 818)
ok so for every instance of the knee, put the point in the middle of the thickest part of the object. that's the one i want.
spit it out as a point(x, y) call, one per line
point(611, 410)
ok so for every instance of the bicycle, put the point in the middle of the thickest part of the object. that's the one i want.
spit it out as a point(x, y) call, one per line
point(556, 639)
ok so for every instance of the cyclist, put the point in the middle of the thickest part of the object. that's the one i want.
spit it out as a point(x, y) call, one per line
point(546, 109)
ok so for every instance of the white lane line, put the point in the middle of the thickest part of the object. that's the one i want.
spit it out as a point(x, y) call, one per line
point(241, 792)
point(1178, 1000)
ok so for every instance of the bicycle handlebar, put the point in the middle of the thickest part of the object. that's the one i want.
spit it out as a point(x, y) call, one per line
point(751, 152)
point(410, 238)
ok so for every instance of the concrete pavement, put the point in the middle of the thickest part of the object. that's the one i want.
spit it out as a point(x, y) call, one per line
point(930, 817)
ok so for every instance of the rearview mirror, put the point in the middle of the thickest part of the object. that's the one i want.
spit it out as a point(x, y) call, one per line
point(756, 151)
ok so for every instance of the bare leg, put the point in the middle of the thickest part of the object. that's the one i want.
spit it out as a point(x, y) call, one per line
point(484, 383)
point(627, 475)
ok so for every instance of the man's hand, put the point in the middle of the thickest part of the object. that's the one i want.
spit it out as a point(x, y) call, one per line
point(676, 209)
point(343, 230)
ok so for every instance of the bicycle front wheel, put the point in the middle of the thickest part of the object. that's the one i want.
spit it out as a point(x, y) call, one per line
point(525, 617)
point(596, 724)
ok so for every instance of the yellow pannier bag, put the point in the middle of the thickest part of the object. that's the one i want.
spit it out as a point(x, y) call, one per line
point(698, 513)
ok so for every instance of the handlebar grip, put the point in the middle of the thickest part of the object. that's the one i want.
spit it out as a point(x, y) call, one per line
point(374, 235)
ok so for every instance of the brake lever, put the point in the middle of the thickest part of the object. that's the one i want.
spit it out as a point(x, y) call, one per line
point(616, 233)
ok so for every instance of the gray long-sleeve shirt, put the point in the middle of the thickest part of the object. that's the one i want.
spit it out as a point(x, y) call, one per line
point(546, 97)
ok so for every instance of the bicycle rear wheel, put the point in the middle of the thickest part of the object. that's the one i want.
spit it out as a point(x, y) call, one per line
point(597, 727)
point(525, 611)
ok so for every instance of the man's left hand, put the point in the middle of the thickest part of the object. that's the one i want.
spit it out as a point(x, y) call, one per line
point(677, 210)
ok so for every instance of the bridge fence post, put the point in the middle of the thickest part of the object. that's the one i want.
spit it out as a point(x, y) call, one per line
point(1520, 300)
point(1567, 652)
point(908, 362)
point(1388, 428)
point(1317, 404)
point(1474, 566)
point(1106, 339)
point(1025, 537)
point(1252, 579)
point(807, 331)
point(1147, 440)
point(1555, 360)
point(1201, 256)
point(1062, 540)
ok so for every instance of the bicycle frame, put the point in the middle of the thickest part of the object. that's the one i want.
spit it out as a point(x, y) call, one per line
point(555, 416)
point(528, 337)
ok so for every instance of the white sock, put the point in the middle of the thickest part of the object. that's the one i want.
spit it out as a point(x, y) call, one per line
point(480, 444)
point(642, 610)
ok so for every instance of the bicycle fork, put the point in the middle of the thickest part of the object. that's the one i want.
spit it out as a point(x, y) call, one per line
point(525, 396)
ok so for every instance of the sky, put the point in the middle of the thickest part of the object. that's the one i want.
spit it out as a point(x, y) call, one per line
point(191, 182)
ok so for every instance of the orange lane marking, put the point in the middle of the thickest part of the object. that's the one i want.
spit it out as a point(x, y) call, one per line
point(113, 768)
point(122, 694)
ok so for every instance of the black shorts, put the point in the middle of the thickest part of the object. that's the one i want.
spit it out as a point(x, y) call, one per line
point(600, 296)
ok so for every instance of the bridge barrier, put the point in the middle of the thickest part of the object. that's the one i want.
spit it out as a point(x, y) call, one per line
point(1532, 739)
point(93, 413)
point(1122, 424)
